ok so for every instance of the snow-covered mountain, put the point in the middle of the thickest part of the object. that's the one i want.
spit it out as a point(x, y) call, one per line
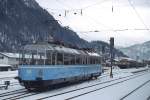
point(138, 51)
point(24, 21)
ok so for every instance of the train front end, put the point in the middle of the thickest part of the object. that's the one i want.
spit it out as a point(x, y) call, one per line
point(31, 77)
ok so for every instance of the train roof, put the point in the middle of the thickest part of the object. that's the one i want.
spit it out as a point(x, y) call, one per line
point(57, 48)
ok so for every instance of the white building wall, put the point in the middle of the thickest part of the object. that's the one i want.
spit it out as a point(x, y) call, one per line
point(3, 59)
point(8, 61)
point(13, 61)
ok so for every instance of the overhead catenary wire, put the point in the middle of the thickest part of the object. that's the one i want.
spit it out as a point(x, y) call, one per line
point(138, 16)
point(99, 23)
point(81, 9)
point(125, 29)
point(65, 11)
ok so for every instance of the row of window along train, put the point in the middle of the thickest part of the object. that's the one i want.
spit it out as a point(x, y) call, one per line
point(43, 65)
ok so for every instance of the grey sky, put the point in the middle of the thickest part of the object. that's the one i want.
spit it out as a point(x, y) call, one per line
point(127, 22)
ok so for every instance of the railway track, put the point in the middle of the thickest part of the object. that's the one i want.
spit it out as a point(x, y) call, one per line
point(16, 94)
point(14, 83)
point(136, 89)
point(123, 79)
point(11, 92)
point(11, 84)
point(76, 96)
point(20, 96)
point(22, 93)
point(8, 78)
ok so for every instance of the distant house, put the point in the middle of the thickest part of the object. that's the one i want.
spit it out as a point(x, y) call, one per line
point(9, 60)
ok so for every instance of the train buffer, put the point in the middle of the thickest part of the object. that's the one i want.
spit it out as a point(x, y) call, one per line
point(5, 85)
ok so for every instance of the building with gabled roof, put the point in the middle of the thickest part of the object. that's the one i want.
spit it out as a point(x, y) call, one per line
point(8, 61)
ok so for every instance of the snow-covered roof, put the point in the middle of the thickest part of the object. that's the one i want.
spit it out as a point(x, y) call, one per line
point(17, 55)
point(93, 54)
point(57, 48)
point(66, 50)
point(39, 47)
point(10, 55)
point(4, 65)
point(126, 58)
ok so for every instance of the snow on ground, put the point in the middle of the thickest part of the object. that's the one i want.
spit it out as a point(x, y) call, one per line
point(8, 74)
point(11, 88)
point(101, 79)
point(117, 91)
point(141, 94)
point(114, 92)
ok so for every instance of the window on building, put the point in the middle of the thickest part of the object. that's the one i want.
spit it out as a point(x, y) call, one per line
point(1, 57)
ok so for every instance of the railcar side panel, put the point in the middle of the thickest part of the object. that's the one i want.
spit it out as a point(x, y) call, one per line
point(56, 73)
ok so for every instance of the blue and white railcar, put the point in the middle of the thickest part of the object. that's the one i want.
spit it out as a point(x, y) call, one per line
point(44, 65)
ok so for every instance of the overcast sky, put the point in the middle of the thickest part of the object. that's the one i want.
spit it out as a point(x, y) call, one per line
point(128, 22)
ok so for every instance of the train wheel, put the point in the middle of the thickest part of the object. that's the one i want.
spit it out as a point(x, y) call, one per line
point(27, 87)
point(96, 77)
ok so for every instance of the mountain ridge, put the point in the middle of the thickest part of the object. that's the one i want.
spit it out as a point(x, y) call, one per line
point(24, 21)
point(138, 51)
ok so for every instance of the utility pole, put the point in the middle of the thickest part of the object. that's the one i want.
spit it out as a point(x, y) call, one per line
point(111, 54)
point(103, 55)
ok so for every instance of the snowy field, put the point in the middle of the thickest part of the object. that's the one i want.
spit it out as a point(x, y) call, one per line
point(126, 84)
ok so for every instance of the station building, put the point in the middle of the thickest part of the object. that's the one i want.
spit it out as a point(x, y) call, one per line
point(8, 61)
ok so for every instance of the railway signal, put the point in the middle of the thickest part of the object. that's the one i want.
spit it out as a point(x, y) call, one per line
point(111, 54)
